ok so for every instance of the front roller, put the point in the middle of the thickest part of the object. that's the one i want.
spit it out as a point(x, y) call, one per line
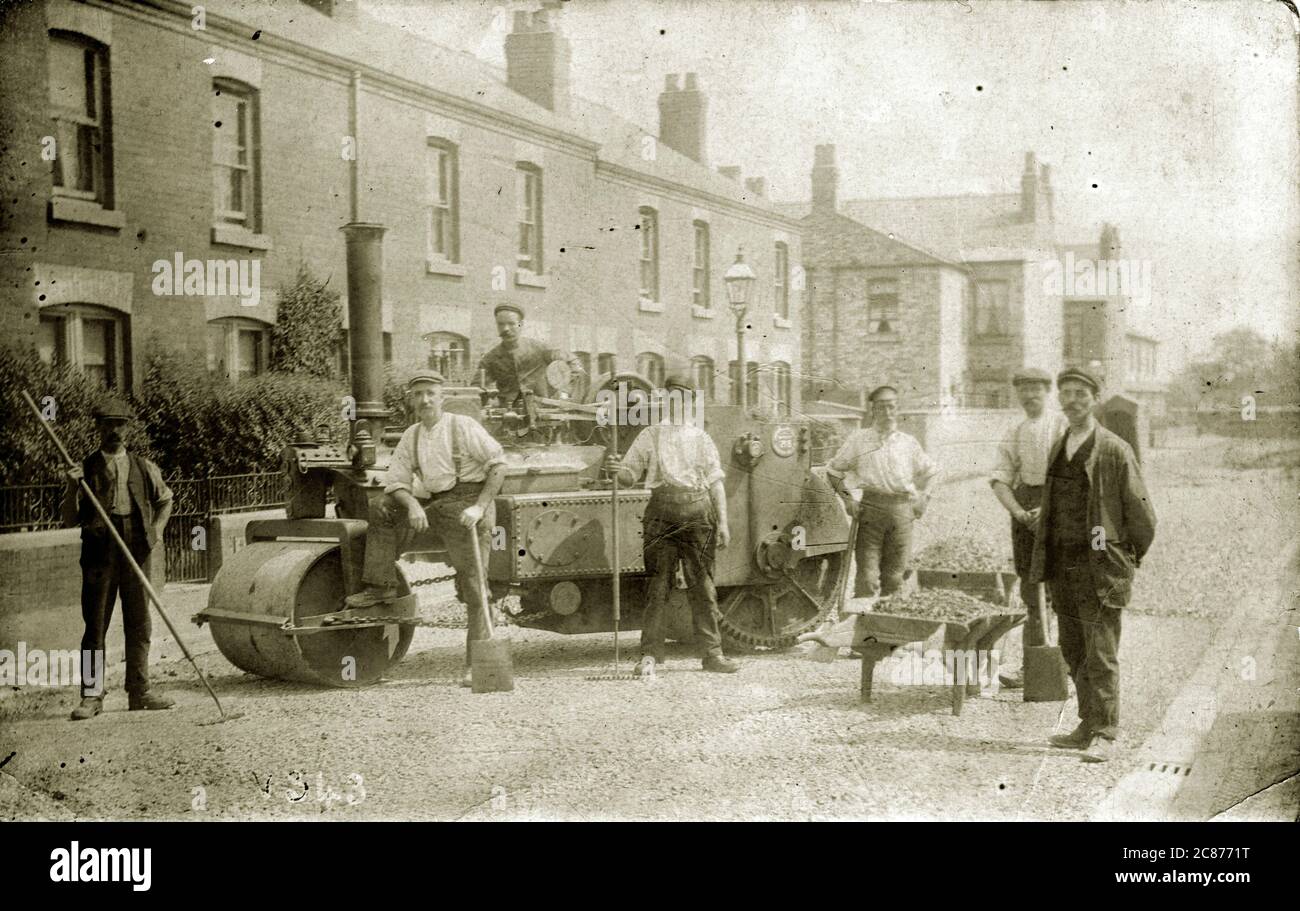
point(300, 578)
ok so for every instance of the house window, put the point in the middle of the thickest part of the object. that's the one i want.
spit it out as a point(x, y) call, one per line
point(607, 365)
point(79, 107)
point(649, 227)
point(700, 272)
point(702, 368)
point(782, 388)
point(443, 227)
point(449, 355)
point(1083, 331)
point(234, 154)
point(651, 366)
point(992, 316)
point(528, 196)
point(882, 306)
point(751, 383)
point(88, 338)
point(781, 289)
point(238, 348)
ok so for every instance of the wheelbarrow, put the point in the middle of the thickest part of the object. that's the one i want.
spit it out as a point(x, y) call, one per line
point(877, 635)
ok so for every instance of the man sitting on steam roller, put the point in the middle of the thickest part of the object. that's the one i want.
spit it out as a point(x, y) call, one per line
point(520, 363)
point(685, 520)
point(443, 476)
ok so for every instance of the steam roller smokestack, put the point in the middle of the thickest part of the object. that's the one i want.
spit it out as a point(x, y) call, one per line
point(365, 260)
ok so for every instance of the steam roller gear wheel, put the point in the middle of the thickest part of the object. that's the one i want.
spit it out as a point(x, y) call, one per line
point(772, 616)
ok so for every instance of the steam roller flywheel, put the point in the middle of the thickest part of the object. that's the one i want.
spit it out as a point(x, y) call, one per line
point(268, 582)
point(772, 615)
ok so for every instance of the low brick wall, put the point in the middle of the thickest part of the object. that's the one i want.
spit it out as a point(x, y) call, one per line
point(40, 587)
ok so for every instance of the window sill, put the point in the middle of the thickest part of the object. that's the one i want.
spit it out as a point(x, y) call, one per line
point(529, 279)
point(238, 236)
point(781, 322)
point(702, 312)
point(646, 305)
point(444, 267)
point(83, 211)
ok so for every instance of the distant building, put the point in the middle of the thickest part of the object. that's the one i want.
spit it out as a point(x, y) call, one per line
point(252, 135)
point(948, 296)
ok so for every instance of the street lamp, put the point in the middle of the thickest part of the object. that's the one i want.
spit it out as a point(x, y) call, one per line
point(740, 279)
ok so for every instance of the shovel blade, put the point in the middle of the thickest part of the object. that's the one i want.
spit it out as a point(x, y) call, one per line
point(490, 666)
point(1045, 674)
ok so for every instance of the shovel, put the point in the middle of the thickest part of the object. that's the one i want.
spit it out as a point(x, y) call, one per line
point(491, 670)
point(1045, 671)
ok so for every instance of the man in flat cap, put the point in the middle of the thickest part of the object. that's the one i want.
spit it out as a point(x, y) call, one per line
point(1017, 480)
point(138, 502)
point(1095, 527)
point(443, 477)
point(685, 520)
point(894, 473)
point(519, 363)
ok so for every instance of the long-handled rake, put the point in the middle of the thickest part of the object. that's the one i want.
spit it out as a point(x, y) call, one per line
point(126, 552)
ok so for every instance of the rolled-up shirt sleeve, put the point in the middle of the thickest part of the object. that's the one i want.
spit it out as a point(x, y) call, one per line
point(1004, 463)
point(637, 459)
point(845, 457)
point(400, 473)
point(924, 468)
point(712, 463)
point(481, 446)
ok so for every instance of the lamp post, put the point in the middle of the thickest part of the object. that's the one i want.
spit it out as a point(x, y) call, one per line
point(739, 279)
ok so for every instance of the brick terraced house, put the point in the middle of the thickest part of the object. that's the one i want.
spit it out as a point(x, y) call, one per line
point(243, 135)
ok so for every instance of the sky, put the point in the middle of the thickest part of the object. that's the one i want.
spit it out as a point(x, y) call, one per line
point(1177, 122)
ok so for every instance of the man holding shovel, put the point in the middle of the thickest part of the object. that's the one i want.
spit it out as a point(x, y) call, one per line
point(443, 476)
point(138, 501)
point(1017, 480)
point(685, 520)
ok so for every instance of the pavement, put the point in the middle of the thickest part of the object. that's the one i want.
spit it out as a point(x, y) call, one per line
point(1208, 657)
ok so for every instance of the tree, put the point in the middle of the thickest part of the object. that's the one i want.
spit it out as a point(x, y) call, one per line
point(308, 326)
point(1240, 362)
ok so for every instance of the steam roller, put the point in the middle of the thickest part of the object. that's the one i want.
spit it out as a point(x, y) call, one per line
point(276, 606)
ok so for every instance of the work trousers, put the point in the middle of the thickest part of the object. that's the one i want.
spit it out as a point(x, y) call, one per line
point(106, 574)
point(1089, 639)
point(685, 532)
point(1022, 552)
point(883, 547)
point(390, 535)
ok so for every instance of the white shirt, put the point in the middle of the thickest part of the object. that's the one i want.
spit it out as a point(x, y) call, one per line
point(892, 464)
point(1022, 456)
point(680, 455)
point(431, 470)
point(1074, 439)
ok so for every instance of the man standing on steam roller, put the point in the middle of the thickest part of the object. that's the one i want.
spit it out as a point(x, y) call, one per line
point(443, 477)
point(520, 363)
point(685, 520)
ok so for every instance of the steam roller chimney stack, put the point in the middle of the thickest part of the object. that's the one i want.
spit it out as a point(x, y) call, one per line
point(365, 262)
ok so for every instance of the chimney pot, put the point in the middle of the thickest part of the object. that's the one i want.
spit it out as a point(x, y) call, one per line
point(757, 186)
point(691, 84)
point(541, 22)
point(730, 171)
point(521, 20)
point(682, 117)
point(825, 179)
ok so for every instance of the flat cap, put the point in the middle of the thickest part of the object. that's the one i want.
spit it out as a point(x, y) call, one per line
point(1031, 375)
point(680, 379)
point(508, 308)
point(425, 376)
point(113, 409)
point(1079, 376)
point(879, 389)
